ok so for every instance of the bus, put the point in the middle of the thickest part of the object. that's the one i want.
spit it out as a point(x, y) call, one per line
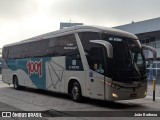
point(0, 65)
point(82, 61)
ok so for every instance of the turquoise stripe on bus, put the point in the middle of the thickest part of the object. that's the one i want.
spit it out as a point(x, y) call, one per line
point(33, 67)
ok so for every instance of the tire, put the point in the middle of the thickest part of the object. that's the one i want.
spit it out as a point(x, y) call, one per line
point(76, 92)
point(15, 83)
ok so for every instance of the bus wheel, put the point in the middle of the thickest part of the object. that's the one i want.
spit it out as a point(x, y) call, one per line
point(15, 83)
point(76, 92)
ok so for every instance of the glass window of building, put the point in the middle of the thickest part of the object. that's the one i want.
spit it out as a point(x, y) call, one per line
point(152, 42)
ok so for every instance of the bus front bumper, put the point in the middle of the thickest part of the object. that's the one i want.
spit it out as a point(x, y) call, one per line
point(113, 94)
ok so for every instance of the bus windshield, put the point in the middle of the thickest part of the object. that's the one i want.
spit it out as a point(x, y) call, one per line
point(128, 62)
point(137, 56)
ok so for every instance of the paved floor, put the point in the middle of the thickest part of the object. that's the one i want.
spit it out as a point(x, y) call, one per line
point(35, 100)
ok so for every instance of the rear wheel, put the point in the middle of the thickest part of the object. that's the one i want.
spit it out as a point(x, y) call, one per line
point(76, 92)
point(15, 83)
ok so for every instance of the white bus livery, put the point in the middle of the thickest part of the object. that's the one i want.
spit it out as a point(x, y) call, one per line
point(90, 61)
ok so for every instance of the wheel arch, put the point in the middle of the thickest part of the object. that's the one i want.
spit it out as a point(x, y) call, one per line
point(70, 84)
point(14, 75)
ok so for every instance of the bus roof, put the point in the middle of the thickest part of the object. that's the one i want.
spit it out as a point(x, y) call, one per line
point(75, 29)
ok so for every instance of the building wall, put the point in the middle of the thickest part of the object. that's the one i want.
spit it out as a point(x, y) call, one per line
point(145, 26)
point(151, 39)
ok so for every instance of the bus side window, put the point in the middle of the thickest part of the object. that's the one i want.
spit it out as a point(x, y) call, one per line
point(5, 54)
point(95, 59)
point(63, 46)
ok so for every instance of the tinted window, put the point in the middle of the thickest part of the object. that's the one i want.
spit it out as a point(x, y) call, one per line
point(63, 46)
point(58, 46)
point(31, 49)
point(5, 53)
point(37, 48)
point(94, 52)
point(85, 38)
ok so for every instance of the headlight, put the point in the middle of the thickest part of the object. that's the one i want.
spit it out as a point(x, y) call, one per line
point(114, 95)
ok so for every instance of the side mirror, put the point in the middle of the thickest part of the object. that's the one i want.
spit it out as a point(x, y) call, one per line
point(153, 50)
point(107, 45)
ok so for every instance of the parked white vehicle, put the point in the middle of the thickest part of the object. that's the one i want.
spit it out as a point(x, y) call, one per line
point(95, 62)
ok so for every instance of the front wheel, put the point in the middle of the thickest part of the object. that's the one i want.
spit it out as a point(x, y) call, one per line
point(76, 92)
point(15, 83)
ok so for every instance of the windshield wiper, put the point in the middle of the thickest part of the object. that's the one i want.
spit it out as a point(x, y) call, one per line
point(137, 70)
point(134, 65)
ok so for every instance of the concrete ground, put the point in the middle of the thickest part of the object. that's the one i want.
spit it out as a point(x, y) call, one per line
point(35, 100)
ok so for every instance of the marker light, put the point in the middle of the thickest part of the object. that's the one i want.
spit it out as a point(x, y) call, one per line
point(145, 93)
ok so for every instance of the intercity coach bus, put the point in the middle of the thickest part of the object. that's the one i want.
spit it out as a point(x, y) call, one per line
point(90, 61)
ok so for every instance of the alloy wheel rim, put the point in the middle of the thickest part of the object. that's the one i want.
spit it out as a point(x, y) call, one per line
point(75, 92)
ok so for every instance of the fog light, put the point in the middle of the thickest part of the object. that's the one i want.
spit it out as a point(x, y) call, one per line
point(114, 95)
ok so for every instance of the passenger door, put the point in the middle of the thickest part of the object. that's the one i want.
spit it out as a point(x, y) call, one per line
point(97, 72)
